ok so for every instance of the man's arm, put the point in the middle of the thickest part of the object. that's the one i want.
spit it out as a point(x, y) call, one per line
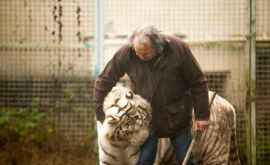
point(196, 81)
point(115, 69)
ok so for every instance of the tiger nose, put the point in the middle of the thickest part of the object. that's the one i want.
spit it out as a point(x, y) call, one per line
point(129, 95)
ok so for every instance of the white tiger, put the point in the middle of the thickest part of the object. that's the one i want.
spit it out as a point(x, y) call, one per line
point(125, 128)
point(127, 118)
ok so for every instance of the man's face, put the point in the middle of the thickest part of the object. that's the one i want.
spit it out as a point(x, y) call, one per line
point(143, 49)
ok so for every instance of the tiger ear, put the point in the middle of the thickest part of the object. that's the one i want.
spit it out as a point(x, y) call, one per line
point(129, 95)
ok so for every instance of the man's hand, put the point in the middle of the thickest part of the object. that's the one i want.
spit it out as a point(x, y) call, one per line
point(201, 125)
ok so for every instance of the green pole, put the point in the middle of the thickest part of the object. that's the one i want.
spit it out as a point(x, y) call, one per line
point(252, 84)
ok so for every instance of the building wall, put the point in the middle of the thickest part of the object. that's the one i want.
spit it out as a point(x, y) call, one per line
point(64, 30)
point(263, 20)
point(42, 38)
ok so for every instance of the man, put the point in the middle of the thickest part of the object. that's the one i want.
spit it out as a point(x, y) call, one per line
point(164, 72)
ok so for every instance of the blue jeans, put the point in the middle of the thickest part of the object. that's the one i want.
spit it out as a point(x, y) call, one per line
point(148, 151)
point(180, 142)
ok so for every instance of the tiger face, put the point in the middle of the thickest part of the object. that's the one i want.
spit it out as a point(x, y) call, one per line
point(127, 116)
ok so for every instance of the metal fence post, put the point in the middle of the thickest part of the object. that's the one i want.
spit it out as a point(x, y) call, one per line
point(251, 141)
point(99, 36)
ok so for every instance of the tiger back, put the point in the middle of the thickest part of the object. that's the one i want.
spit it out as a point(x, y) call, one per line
point(216, 145)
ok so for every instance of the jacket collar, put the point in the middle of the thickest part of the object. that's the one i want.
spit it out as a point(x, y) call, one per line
point(161, 63)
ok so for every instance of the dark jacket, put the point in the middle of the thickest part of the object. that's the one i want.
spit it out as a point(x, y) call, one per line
point(172, 82)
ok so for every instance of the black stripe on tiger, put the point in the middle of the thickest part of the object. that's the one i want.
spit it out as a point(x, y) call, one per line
point(128, 110)
point(134, 154)
point(169, 156)
point(106, 163)
point(123, 115)
point(146, 115)
point(108, 154)
point(234, 157)
point(118, 146)
point(142, 108)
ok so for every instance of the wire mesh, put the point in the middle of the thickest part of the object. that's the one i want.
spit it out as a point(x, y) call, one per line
point(214, 19)
point(46, 54)
point(217, 81)
point(262, 101)
point(262, 20)
point(263, 81)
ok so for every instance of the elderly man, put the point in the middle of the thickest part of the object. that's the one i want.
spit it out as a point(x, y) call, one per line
point(164, 72)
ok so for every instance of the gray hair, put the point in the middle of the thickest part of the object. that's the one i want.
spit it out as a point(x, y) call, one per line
point(157, 39)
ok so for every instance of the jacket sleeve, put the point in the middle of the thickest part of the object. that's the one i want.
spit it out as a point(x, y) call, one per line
point(112, 72)
point(197, 83)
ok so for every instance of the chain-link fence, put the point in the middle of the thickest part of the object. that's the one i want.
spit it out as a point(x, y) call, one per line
point(47, 53)
point(263, 81)
point(263, 105)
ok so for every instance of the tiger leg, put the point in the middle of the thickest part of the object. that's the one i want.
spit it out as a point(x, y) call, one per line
point(165, 153)
point(108, 154)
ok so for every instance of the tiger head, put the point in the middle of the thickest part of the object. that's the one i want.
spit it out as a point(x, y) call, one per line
point(127, 116)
